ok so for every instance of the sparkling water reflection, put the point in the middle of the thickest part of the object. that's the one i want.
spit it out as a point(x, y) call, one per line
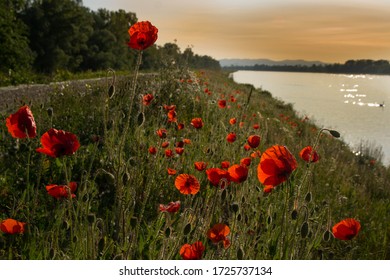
point(352, 104)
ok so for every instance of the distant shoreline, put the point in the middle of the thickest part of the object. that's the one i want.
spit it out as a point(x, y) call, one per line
point(366, 66)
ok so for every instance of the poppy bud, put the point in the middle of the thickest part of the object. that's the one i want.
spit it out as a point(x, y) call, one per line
point(235, 207)
point(335, 133)
point(304, 230)
point(50, 112)
point(111, 91)
point(187, 229)
point(294, 214)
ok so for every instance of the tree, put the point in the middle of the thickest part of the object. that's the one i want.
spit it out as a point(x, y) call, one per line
point(15, 53)
point(59, 31)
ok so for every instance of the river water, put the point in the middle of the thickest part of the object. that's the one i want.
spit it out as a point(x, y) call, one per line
point(358, 106)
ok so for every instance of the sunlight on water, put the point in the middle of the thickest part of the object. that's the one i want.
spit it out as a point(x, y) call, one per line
point(351, 104)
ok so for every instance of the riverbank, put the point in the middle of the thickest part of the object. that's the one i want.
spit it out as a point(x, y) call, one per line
point(123, 175)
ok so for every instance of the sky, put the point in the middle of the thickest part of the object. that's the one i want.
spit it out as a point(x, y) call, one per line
point(331, 31)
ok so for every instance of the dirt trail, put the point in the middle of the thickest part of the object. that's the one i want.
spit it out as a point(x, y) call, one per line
point(13, 96)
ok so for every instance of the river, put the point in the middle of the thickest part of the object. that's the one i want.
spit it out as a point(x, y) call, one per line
point(354, 105)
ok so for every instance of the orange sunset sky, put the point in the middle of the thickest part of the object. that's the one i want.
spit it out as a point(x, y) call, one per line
point(327, 30)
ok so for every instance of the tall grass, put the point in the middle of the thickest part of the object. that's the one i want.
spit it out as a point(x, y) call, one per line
point(115, 214)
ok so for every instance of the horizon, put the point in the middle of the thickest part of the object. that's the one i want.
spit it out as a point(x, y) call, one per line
point(331, 32)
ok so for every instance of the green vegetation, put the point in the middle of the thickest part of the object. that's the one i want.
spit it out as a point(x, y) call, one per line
point(360, 66)
point(115, 214)
point(41, 41)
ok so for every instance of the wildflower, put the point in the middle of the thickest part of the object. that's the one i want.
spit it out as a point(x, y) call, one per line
point(171, 207)
point(187, 184)
point(147, 99)
point(192, 252)
point(22, 124)
point(171, 171)
point(238, 173)
point(309, 155)
point(180, 126)
point(164, 144)
point(168, 153)
point(169, 107)
point(179, 150)
point(187, 141)
point(246, 161)
point(222, 103)
point(57, 143)
point(247, 147)
point(233, 121)
point(62, 191)
point(231, 137)
point(256, 126)
point(197, 123)
point(142, 35)
point(276, 164)
point(152, 150)
point(172, 116)
point(253, 141)
point(162, 133)
point(225, 164)
point(11, 226)
point(200, 165)
point(346, 229)
point(179, 144)
point(218, 233)
point(218, 177)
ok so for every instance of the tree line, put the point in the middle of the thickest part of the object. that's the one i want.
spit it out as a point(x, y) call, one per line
point(45, 36)
point(361, 66)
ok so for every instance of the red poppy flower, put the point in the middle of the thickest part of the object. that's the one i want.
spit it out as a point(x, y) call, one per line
point(231, 137)
point(256, 154)
point(171, 171)
point(180, 126)
point(192, 252)
point(219, 232)
point(225, 164)
point(62, 191)
point(222, 103)
point(57, 143)
point(147, 99)
point(200, 165)
point(309, 155)
point(142, 35)
point(254, 141)
point(169, 107)
point(168, 153)
point(179, 150)
point(197, 123)
point(187, 141)
point(172, 116)
point(346, 229)
point(171, 207)
point(256, 126)
point(218, 177)
point(162, 133)
point(152, 150)
point(233, 121)
point(276, 164)
point(238, 173)
point(22, 124)
point(11, 226)
point(246, 161)
point(164, 144)
point(187, 184)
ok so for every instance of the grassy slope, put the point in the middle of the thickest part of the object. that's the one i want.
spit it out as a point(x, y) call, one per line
point(120, 185)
